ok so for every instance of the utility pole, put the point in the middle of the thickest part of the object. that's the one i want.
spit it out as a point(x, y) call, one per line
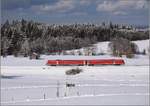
point(57, 92)
point(44, 96)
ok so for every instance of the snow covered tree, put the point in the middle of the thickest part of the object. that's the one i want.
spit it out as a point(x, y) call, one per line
point(25, 49)
point(57, 38)
point(94, 49)
point(121, 46)
point(5, 43)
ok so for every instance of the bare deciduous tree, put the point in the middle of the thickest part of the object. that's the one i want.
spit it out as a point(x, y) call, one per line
point(122, 46)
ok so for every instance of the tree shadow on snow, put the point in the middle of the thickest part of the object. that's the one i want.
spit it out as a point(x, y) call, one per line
point(9, 77)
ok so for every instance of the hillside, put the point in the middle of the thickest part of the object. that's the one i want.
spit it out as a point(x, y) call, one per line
point(24, 37)
point(142, 44)
point(101, 47)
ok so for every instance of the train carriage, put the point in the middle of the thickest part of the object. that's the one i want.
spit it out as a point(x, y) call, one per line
point(86, 62)
point(66, 62)
point(71, 62)
point(105, 62)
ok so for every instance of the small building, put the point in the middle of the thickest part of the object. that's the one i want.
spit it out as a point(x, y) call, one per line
point(34, 55)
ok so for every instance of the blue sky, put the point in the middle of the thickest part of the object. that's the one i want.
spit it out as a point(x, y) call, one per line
point(77, 11)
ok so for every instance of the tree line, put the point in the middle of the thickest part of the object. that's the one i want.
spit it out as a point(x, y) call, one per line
point(24, 37)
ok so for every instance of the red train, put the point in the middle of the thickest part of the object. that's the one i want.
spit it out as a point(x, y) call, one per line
point(86, 62)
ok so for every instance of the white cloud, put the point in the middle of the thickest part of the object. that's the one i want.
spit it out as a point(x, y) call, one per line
point(119, 7)
point(85, 2)
point(60, 6)
point(142, 4)
point(79, 13)
point(119, 13)
point(106, 6)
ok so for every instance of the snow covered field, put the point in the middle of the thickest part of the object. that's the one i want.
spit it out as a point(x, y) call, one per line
point(31, 82)
point(95, 85)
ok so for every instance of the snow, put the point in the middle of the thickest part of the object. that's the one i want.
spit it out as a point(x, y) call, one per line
point(31, 82)
point(95, 85)
point(142, 44)
point(102, 47)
